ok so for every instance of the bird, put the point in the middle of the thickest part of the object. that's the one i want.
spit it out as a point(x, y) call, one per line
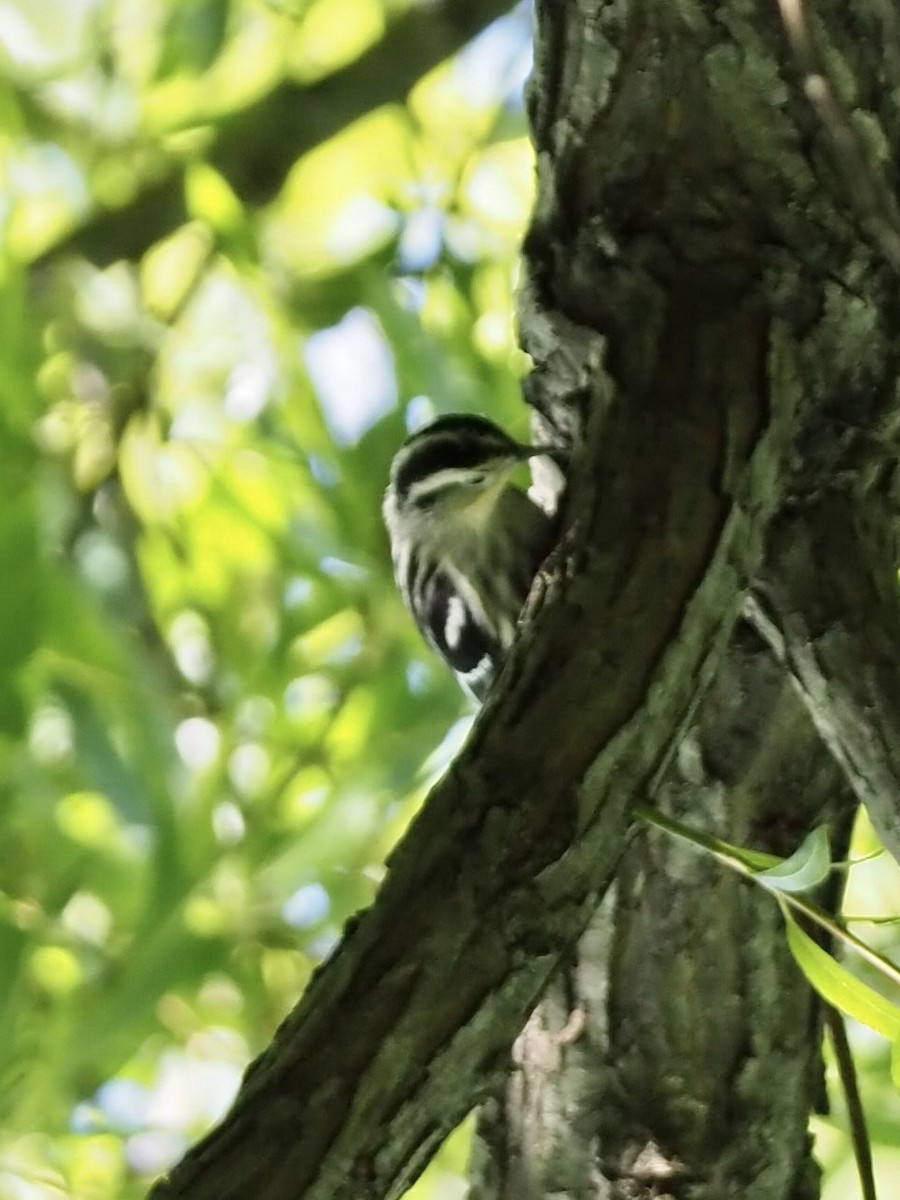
point(466, 542)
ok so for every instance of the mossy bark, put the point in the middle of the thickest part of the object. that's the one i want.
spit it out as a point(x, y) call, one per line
point(711, 304)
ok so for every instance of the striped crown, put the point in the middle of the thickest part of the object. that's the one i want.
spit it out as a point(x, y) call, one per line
point(458, 443)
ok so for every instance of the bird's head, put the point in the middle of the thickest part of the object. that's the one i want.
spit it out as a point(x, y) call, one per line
point(451, 469)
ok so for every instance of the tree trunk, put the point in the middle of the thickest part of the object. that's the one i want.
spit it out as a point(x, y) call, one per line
point(674, 152)
point(711, 300)
point(648, 1068)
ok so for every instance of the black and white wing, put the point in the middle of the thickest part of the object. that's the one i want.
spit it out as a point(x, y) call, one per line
point(459, 633)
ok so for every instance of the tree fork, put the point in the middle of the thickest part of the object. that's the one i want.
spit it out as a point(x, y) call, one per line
point(699, 292)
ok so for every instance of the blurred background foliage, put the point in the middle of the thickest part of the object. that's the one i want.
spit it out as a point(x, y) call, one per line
point(246, 245)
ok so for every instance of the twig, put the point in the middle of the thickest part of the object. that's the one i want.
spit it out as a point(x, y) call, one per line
point(859, 1135)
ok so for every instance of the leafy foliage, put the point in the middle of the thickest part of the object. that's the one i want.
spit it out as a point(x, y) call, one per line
point(868, 1007)
point(215, 718)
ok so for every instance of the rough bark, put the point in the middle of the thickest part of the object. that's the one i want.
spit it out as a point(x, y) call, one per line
point(648, 1067)
point(709, 299)
point(411, 1019)
point(828, 602)
point(405, 1026)
point(643, 1070)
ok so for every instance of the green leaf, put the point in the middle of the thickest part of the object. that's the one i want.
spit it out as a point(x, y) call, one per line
point(19, 599)
point(211, 199)
point(839, 987)
point(807, 867)
point(755, 860)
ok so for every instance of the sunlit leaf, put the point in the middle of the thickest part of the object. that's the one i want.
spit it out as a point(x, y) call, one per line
point(211, 199)
point(169, 270)
point(839, 986)
point(334, 32)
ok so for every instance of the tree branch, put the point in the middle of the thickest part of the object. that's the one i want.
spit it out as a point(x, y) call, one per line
point(256, 147)
point(829, 605)
point(407, 1024)
point(690, 1003)
point(688, 297)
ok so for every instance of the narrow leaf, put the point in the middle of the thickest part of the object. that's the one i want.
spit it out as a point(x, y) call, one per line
point(895, 1065)
point(804, 869)
point(839, 987)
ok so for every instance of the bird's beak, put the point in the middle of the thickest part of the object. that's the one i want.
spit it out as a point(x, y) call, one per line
point(556, 456)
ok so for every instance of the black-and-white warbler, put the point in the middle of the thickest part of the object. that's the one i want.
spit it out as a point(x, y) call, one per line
point(466, 542)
